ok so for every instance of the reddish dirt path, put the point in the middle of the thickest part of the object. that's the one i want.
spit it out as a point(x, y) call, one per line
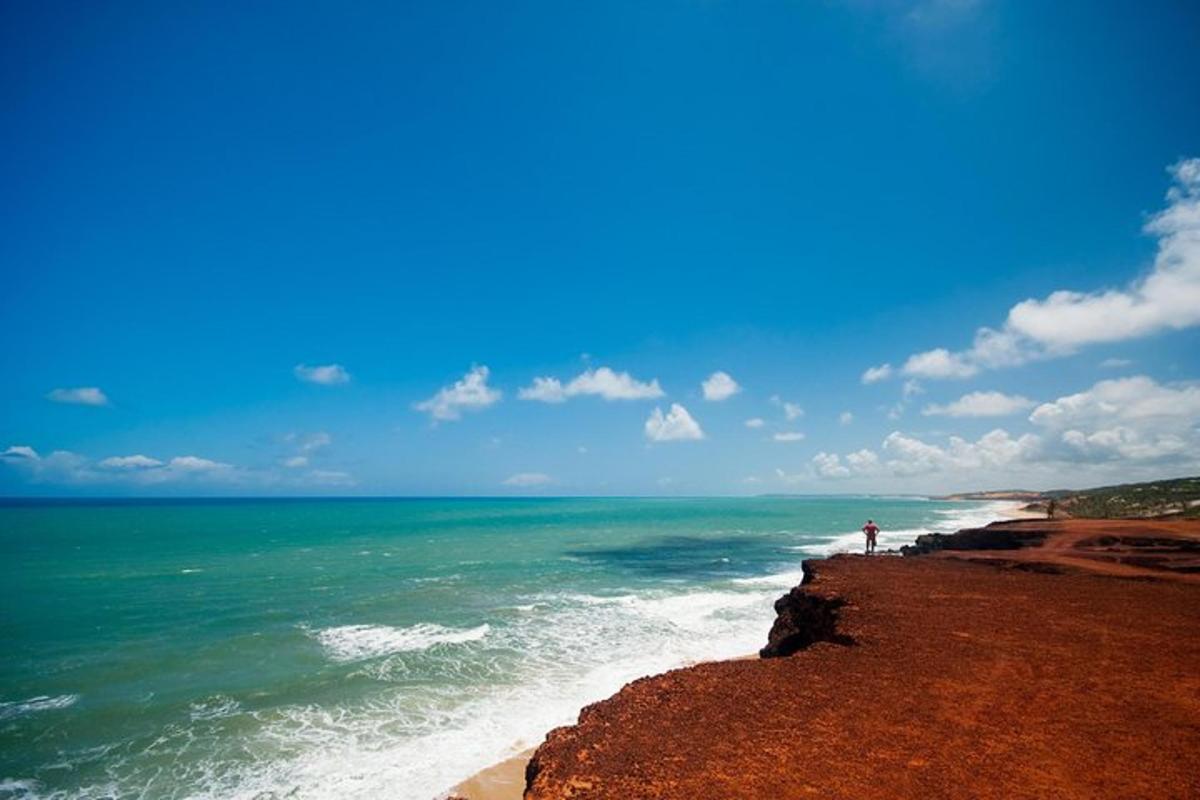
point(964, 681)
point(1167, 549)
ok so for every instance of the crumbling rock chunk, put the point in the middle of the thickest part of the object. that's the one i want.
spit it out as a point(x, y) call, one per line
point(802, 619)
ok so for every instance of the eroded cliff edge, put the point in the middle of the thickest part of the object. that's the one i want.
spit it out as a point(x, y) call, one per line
point(940, 677)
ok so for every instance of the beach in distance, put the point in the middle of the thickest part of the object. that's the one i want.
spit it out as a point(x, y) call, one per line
point(373, 648)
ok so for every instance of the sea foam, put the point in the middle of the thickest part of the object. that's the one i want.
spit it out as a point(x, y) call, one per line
point(359, 642)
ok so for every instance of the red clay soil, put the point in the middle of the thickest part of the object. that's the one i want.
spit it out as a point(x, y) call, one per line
point(963, 681)
point(1154, 548)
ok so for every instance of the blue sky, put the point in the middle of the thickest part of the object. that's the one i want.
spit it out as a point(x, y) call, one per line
point(624, 197)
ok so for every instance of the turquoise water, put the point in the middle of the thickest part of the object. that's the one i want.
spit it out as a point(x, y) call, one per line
point(369, 648)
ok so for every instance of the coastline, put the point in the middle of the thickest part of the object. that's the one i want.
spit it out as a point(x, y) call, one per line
point(505, 780)
point(1028, 658)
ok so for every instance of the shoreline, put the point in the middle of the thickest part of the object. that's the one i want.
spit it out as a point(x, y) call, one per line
point(1030, 658)
point(505, 779)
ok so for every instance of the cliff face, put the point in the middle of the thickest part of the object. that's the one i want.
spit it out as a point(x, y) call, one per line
point(803, 618)
point(962, 680)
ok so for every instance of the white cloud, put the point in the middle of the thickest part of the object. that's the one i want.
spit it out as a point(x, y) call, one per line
point(1167, 298)
point(912, 387)
point(939, 363)
point(997, 449)
point(80, 396)
point(981, 404)
point(20, 452)
point(720, 386)
point(676, 425)
point(845, 418)
point(326, 374)
point(470, 393)
point(600, 382)
point(528, 479)
point(138, 461)
point(788, 436)
point(755, 422)
point(196, 464)
point(863, 461)
point(546, 390)
point(1129, 418)
point(296, 462)
point(1115, 363)
point(792, 411)
point(829, 465)
point(876, 374)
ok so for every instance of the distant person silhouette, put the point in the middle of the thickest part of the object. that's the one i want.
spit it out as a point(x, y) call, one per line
point(871, 530)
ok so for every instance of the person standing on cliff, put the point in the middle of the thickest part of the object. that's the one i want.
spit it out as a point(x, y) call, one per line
point(871, 530)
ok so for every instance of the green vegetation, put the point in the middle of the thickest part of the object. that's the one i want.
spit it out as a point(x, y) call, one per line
point(1180, 496)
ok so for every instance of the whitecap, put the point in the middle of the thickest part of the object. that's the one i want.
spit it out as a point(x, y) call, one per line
point(19, 708)
point(358, 642)
point(216, 707)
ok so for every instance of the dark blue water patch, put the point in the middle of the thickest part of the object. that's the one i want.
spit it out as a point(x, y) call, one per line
point(687, 556)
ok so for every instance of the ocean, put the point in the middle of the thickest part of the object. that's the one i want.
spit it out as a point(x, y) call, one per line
point(370, 648)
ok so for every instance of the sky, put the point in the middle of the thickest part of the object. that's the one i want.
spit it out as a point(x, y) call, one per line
point(619, 248)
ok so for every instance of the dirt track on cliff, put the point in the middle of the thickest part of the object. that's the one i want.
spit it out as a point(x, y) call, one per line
point(963, 681)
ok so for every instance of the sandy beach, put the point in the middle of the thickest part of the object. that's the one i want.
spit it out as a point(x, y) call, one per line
point(506, 779)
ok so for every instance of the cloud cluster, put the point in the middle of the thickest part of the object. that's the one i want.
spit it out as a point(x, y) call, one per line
point(469, 393)
point(325, 375)
point(1129, 420)
point(677, 425)
point(602, 382)
point(981, 404)
point(139, 470)
point(1167, 298)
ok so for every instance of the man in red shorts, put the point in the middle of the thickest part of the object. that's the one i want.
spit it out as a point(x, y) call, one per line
point(871, 530)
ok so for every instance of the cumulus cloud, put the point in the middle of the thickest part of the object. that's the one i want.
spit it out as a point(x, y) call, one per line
point(325, 374)
point(829, 465)
point(981, 404)
point(939, 363)
point(675, 426)
point(1167, 298)
point(528, 479)
point(80, 396)
point(1130, 418)
point(137, 461)
point(788, 436)
point(601, 382)
point(876, 374)
point(470, 393)
point(755, 422)
point(720, 386)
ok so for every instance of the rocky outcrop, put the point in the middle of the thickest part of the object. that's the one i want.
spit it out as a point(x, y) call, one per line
point(997, 536)
point(803, 618)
